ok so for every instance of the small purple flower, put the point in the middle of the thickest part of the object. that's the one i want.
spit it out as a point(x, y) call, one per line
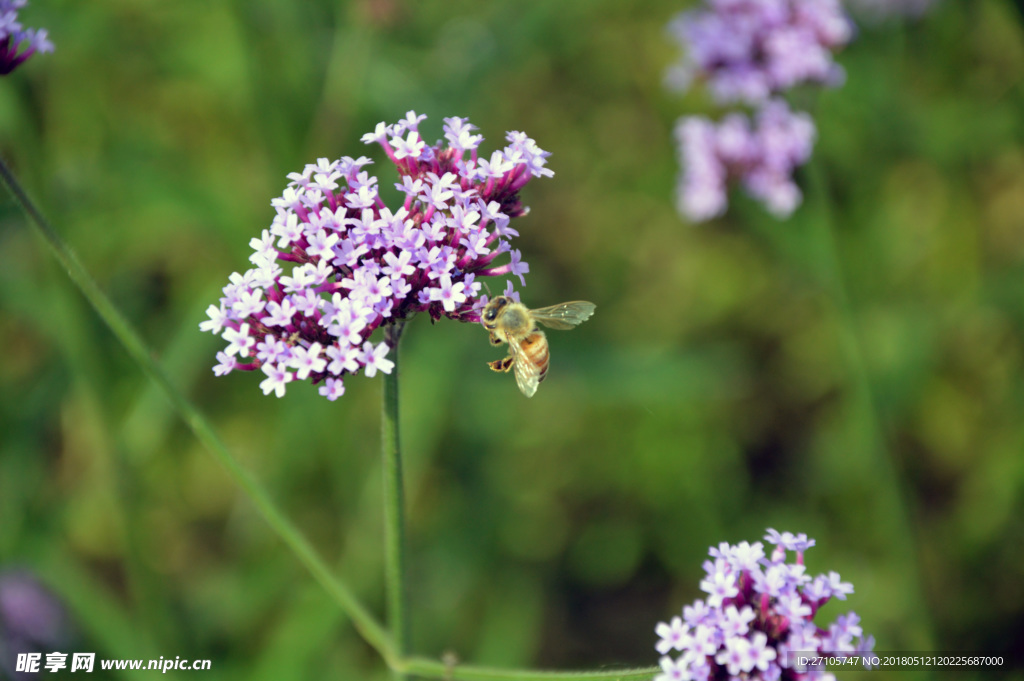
point(225, 364)
point(839, 588)
point(698, 613)
point(672, 635)
point(305, 360)
point(762, 158)
point(736, 622)
point(374, 360)
point(217, 319)
point(841, 634)
point(17, 43)
point(736, 656)
point(673, 670)
point(277, 379)
point(747, 556)
point(720, 584)
point(238, 340)
point(751, 628)
point(336, 263)
point(792, 605)
point(332, 389)
point(705, 640)
point(760, 654)
point(787, 541)
point(749, 50)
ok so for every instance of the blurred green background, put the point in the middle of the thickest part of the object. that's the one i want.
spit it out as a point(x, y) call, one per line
point(712, 395)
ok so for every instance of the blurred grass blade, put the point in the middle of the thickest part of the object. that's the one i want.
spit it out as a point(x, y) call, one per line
point(364, 622)
point(891, 493)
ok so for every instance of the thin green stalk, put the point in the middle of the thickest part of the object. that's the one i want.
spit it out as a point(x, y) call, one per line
point(452, 671)
point(394, 502)
point(364, 622)
point(891, 493)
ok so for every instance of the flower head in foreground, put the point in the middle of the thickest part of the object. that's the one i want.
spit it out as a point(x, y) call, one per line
point(748, 50)
point(762, 157)
point(758, 611)
point(16, 43)
point(336, 263)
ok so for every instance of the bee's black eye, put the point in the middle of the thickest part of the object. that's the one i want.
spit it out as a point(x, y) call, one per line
point(491, 311)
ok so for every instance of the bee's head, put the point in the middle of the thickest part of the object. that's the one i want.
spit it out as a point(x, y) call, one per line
point(492, 310)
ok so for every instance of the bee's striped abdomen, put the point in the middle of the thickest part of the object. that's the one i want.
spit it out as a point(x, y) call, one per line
point(535, 350)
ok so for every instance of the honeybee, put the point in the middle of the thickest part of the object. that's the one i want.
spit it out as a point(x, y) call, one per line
point(510, 322)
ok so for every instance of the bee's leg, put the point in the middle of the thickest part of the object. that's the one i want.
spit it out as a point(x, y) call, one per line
point(494, 339)
point(501, 365)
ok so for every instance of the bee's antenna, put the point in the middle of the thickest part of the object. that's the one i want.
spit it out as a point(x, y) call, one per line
point(488, 289)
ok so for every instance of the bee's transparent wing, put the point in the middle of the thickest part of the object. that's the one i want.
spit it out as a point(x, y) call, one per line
point(527, 374)
point(564, 315)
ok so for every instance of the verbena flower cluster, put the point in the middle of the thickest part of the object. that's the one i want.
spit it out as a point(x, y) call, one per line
point(17, 43)
point(749, 52)
point(336, 263)
point(761, 156)
point(758, 611)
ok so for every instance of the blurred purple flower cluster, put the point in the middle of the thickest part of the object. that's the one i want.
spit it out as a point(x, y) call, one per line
point(762, 157)
point(17, 43)
point(355, 265)
point(748, 52)
point(758, 612)
point(31, 619)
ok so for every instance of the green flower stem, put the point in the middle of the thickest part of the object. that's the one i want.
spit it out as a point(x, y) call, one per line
point(394, 502)
point(456, 672)
point(370, 629)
